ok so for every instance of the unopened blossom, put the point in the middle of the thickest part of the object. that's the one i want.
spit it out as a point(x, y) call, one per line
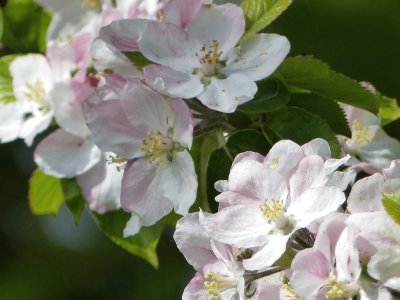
point(370, 147)
point(151, 134)
point(263, 210)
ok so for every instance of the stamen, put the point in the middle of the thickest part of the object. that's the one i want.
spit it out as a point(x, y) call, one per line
point(118, 160)
point(209, 58)
point(156, 147)
point(37, 94)
point(274, 163)
point(337, 289)
point(275, 212)
point(215, 284)
point(290, 292)
point(360, 132)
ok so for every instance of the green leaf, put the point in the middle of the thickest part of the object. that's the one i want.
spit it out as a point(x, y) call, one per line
point(327, 109)
point(73, 198)
point(202, 148)
point(389, 110)
point(1, 23)
point(302, 126)
point(45, 194)
point(138, 59)
point(307, 74)
point(25, 26)
point(143, 244)
point(391, 202)
point(6, 87)
point(260, 13)
point(271, 95)
point(221, 160)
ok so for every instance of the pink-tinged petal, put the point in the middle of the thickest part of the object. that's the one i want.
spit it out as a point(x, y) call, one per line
point(284, 158)
point(366, 194)
point(179, 183)
point(317, 147)
point(124, 34)
point(107, 59)
point(193, 242)
point(258, 57)
point(377, 227)
point(111, 129)
point(270, 291)
point(229, 198)
point(391, 186)
point(309, 174)
point(225, 95)
point(393, 171)
point(133, 226)
point(183, 123)
point(256, 180)
point(239, 226)
point(310, 272)
point(363, 166)
point(11, 119)
point(248, 155)
point(268, 254)
point(315, 203)
point(142, 191)
point(68, 108)
point(101, 187)
point(181, 12)
point(169, 45)
point(385, 267)
point(223, 23)
point(195, 289)
point(173, 83)
point(348, 268)
point(332, 164)
point(145, 109)
point(81, 47)
point(31, 69)
point(61, 58)
point(372, 290)
point(62, 155)
point(224, 253)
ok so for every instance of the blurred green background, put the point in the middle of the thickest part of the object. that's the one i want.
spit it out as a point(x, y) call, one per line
point(50, 258)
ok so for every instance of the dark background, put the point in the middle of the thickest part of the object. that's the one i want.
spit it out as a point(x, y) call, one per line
point(50, 258)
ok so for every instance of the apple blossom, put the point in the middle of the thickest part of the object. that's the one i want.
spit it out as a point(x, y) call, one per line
point(151, 134)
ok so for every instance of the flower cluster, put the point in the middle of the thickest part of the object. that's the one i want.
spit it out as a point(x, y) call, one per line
point(284, 230)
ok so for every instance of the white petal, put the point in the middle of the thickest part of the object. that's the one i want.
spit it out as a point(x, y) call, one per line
point(223, 23)
point(258, 57)
point(143, 191)
point(226, 94)
point(366, 194)
point(181, 12)
point(183, 123)
point(193, 242)
point(238, 225)
point(11, 119)
point(315, 203)
point(393, 171)
point(268, 254)
point(61, 154)
point(180, 182)
point(101, 187)
point(173, 83)
point(332, 164)
point(385, 267)
point(133, 226)
point(317, 147)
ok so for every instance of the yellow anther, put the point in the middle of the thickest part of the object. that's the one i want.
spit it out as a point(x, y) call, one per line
point(290, 292)
point(160, 16)
point(91, 4)
point(272, 211)
point(215, 285)
point(155, 146)
point(118, 160)
point(360, 132)
point(337, 289)
point(210, 57)
point(37, 94)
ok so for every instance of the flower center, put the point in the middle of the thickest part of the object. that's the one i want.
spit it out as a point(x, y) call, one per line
point(275, 212)
point(96, 4)
point(156, 147)
point(290, 293)
point(337, 289)
point(215, 284)
point(360, 132)
point(36, 94)
point(209, 58)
